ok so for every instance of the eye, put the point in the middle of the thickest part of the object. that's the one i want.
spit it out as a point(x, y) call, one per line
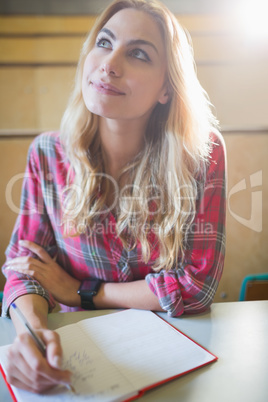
point(140, 54)
point(105, 43)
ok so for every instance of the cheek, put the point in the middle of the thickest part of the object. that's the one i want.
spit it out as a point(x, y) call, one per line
point(147, 89)
point(90, 64)
point(84, 86)
point(87, 72)
point(86, 68)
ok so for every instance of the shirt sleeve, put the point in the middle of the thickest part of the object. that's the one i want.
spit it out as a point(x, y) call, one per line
point(32, 224)
point(191, 286)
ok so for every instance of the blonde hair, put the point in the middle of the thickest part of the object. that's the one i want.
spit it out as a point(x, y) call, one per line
point(172, 162)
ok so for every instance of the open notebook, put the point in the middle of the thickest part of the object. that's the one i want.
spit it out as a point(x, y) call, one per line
point(119, 356)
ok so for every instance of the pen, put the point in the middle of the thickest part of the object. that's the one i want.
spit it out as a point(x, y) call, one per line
point(36, 338)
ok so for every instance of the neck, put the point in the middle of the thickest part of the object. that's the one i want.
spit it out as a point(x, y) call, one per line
point(121, 142)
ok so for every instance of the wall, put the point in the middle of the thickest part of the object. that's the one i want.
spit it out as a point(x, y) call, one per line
point(37, 65)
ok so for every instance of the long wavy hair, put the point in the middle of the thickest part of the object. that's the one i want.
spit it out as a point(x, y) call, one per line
point(164, 178)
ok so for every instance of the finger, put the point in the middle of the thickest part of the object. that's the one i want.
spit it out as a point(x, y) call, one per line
point(32, 387)
point(41, 373)
point(22, 368)
point(54, 356)
point(38, 250)
point(24, 260)
point(21, 375)
point(32, 270)
point(16, 382)
point(18, 369)
point(54, 349)
point(26, 271)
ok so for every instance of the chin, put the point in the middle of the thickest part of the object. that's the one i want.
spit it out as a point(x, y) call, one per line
point(102, 112)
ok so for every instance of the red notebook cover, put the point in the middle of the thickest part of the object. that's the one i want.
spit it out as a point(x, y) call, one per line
point(8, 386)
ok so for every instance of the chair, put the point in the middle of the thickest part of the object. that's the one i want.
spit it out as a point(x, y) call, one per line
point(1, 298)
point(254, 287)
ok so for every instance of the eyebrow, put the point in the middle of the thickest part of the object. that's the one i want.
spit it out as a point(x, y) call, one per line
point(132, 41)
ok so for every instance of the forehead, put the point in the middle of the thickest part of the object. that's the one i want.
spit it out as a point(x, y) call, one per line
point(135, 24)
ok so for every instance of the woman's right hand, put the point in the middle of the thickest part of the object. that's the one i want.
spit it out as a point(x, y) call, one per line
point(28, 369)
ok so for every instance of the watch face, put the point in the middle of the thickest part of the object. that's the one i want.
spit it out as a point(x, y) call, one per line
point(89, 286)
point(85, 292)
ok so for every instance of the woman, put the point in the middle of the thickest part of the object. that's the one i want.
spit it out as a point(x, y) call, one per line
point(127, 203)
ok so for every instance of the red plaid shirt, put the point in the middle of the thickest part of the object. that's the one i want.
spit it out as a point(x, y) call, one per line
point(188, 288)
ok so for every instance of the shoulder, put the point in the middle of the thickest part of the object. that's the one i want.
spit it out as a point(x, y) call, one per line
point(217, 142)
point(216, 165)
point(48, 145)
point(46, 141)
point(46, 150)
point(217, 155)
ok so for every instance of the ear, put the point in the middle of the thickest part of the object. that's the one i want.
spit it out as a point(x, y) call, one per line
point(164, 96)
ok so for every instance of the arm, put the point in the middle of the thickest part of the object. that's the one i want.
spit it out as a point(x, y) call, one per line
point(28, 368)
point(190, 287)
point(33, 224)
point(64, 288)
point(127, 295)
point(35, 308)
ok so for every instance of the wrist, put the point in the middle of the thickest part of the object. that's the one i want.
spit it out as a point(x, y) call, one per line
point(35, 309)
point(36, 322)
point(74, 298)
point(67, 293)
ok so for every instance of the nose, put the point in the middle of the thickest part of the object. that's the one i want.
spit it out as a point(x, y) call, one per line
point(112, 65)
point(108, 69)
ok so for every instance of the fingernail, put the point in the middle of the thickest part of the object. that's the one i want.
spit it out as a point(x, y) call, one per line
point(71, 388)
point(57, 362)
point(66, 383)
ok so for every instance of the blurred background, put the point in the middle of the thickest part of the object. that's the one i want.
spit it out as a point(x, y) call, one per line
point(40, 41)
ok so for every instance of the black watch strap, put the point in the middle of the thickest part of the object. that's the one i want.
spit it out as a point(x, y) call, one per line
point(88, 289)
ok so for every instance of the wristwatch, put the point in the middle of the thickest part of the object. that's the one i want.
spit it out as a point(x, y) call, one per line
point(88, 289)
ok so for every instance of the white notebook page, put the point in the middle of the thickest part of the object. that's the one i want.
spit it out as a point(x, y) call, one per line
point(144, 347)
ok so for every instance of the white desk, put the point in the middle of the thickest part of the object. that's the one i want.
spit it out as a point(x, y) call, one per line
point(236, 332)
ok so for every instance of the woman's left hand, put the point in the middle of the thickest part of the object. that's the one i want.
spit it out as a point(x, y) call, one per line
point(48, 273)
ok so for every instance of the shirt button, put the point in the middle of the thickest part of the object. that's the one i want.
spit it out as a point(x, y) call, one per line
point(121, 265)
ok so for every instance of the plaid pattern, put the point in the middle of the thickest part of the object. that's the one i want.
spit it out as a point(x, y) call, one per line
point(188, 288)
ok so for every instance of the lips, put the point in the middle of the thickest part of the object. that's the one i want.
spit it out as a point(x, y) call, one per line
point(106, 88)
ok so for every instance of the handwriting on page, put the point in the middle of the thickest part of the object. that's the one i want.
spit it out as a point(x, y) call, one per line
point(94, 376)
point(81, 360)
point(88, 377)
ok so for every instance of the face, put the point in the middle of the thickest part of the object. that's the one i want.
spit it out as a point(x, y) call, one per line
point(124, 74)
